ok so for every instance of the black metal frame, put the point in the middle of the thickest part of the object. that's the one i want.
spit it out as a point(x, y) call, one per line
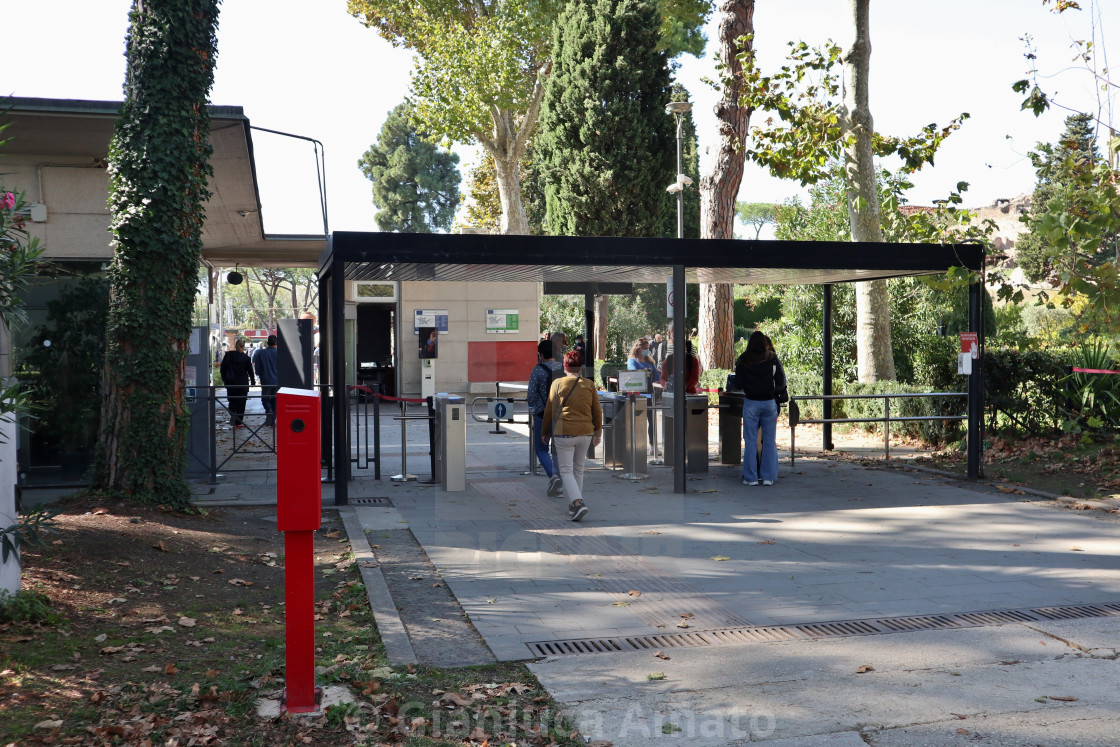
point(351, 255)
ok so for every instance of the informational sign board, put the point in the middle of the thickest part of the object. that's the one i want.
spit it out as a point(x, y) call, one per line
point(970, 344)
point(502, 321)
point(430, 318)
point(632, 381)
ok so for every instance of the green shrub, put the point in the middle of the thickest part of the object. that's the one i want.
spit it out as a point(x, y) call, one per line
point(714, 378)
point(1024, 390)
point(27, 606)
point(934, 432)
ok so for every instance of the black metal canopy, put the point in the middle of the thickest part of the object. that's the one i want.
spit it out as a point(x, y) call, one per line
point(351, 255)
point(444, 257)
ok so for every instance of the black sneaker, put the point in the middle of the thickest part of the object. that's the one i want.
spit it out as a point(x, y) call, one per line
point(555, 487)
point(576, 510)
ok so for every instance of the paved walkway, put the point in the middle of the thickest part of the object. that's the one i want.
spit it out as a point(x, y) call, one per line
point(831, 542)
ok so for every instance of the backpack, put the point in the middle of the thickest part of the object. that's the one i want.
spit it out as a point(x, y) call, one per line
point(553, 375)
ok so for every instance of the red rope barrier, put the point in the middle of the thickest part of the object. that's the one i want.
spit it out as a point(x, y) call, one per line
point(1094, 370)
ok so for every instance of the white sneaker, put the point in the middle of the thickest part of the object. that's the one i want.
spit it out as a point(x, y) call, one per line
point(767, 482)
point(750, 483)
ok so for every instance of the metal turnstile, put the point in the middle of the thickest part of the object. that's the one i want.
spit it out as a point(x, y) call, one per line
point(625, 442)
point(695, 431)
point(451, 442)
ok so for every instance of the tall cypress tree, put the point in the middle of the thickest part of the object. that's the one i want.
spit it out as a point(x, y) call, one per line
point(607, 148)
point(159, 161)
point(415, 184)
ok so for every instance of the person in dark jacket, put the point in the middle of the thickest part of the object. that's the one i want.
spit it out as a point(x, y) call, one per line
point(237, 375)
point(264, 362)
point(759, 372)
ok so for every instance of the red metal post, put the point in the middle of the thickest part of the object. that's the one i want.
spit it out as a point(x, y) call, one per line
point(298, 515)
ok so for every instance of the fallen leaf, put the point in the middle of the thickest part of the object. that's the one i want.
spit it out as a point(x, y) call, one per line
point(661, 655)
point(171, 669)
point(865, 668)
point(51, 724)
point(621, 604)
point(1063, 698)
point(655, 676)
point(152, 668)
point(112, 650)
point(187, 622)
point(160, 546)
point(634, 593)
point(767, 542)
point(240, 582)
point(720, 557)
point(650, 532)
point(333, 535)
point(687, 615)
point(963, 732)
point(100, 511)
point(683, 624)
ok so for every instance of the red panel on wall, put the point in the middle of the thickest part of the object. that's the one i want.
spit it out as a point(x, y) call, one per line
point(501, 361)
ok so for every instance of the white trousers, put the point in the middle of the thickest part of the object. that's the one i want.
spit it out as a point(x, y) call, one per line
point(571, 452)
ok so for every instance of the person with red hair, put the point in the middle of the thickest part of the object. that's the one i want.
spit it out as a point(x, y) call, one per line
point(574, 419)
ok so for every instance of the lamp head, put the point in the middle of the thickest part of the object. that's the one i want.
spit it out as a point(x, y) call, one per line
point(678, 107)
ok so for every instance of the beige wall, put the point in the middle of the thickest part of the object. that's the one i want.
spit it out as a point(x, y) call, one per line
point(76, 197)
point(466, 304)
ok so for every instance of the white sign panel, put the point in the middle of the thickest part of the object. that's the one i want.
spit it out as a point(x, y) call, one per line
point(502, 321)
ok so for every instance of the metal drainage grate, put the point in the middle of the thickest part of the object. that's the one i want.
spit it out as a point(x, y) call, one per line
point(815, 631)
point(377, 501)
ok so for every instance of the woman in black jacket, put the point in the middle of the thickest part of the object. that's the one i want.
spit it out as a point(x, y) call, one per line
point(759, 372)
point(237, 375)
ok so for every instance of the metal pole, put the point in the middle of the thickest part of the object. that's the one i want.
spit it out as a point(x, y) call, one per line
point(887, 428)
point(975, 385)
point(680, 192)
point(680, 354)
point(826, 387)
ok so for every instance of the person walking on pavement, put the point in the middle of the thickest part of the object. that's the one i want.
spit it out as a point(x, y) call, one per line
point(237, 375)
point(540, 382)
point(264, 362)
point(574, 418)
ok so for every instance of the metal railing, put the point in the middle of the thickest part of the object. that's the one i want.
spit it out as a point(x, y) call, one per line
point(795, 418)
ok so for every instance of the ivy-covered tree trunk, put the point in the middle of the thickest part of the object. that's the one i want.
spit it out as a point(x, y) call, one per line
point(875, 357)
point(720, 187)
point(159, 164)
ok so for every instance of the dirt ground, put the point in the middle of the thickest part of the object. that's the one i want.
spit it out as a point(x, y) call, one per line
point(166, 628)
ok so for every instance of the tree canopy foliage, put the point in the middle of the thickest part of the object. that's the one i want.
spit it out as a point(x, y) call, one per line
point(158, 169)
point(415, 184)
point(757, 215)
point(480, 69)
point(606, 144)
point(1073, 236)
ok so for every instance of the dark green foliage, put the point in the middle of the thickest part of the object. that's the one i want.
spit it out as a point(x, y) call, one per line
point(929, 431)
point(415, 184)
point(1024, 390)
point(607, 148)
point(752, 312)
point(682, 26)
point(159, 164)
point(1057, 199)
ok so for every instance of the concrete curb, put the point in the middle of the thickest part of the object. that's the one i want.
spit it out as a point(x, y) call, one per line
point(394, 637)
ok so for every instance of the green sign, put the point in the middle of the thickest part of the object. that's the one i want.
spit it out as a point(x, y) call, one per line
point(502, 321)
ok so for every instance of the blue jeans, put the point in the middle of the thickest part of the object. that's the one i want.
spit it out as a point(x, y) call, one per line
point(542, 449)
point(760, 415)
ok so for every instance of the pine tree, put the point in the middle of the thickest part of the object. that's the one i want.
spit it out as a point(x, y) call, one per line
point(606, 146)
point(1058, 166)
point(415, 184)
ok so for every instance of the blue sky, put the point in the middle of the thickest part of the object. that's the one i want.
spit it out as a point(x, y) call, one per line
point(323, 75)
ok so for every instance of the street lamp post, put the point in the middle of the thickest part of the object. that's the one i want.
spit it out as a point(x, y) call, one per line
point(680, 357)
point(678, 109)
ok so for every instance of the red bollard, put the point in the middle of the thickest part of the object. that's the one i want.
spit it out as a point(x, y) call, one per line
point(298, 514)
